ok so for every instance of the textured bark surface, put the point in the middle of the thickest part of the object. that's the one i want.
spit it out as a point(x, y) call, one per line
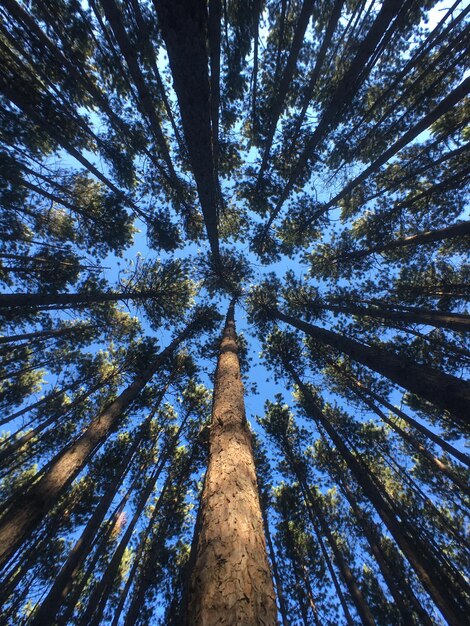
point(231, 581)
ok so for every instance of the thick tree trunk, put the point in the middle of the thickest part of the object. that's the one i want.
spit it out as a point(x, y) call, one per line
point(445, 391)
point(184, 29)
point(28, 510)
point(230, 580)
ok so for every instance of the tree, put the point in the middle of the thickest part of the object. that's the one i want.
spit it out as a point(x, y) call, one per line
point(160, 160)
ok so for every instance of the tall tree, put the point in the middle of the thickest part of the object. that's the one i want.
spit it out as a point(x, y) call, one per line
point(230, 575)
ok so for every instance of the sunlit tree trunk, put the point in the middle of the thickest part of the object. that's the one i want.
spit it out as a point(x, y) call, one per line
point(30, 508)
point(230, 580)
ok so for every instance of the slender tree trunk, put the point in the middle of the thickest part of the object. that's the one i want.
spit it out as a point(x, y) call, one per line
point(40, 334)
point(28, 510)
point(59, 300)
point(63, 581)
point(460, 229)
point(443, 390)
point(284, 84)
point(277, 577)
point(440, 584)
point(435, 462)
point(311, 599)
point(13, 443)
point(314, 507)
point(447, 447)
point(230, 579)
point(150, 561)
point(438, 319)
point(443, 107)
point(399, 591)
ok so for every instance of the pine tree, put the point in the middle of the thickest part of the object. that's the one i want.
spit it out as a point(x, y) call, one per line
point(160, 160)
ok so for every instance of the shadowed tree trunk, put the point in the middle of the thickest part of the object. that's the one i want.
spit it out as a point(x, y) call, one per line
point(438, 319)
point(445, 589)
point(461, 229)
point(445, 391)
point(184, 30)
point(230, 579)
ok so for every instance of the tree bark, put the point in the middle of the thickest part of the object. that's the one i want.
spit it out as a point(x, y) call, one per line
point(436, 579)
point(445, 391)
point(230, 579)
point(184, 30)
point(29, 509)
point(59, 300)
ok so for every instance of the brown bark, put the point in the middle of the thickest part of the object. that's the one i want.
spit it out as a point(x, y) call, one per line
point(63, 581)
point(230, 579)
point(184, 29)
point(445, 391)
point(446, 591)
point(29, 509)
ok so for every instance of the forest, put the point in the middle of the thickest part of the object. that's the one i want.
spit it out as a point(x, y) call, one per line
point(234, 312)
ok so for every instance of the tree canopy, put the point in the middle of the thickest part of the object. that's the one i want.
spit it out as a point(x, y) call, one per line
point(305, 161)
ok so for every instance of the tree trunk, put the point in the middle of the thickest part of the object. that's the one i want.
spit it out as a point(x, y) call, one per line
point(59, 300)
point(273, 558)
point(435, 578)
point(445, 391)
point(286, 78)
point(230, 580)
point(399, 591)
point(461, 229)
point(314, 508)
point(438, 319)
point(40, 334)
point(443, 107)
point(28, 510)
point(63, 581)
point(442, 443)
point(184, 29)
